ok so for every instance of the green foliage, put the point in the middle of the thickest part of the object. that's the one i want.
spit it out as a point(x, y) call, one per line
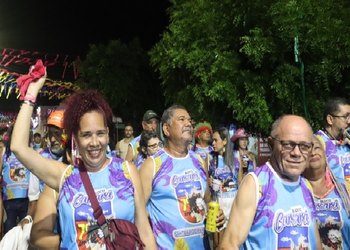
point(122, 73)
point(226, 57)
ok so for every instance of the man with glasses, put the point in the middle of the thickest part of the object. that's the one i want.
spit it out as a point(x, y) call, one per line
point(175, 183)
point(336, 119)
point(274, 208)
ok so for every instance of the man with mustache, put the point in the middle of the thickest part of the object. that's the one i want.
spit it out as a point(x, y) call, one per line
point(335, 134)
point(175, 183)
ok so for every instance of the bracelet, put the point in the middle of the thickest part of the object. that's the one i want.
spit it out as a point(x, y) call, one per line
point(30, 103)
point(30, 97)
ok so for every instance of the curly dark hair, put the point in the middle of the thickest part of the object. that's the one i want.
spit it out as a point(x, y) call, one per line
point(81, 103)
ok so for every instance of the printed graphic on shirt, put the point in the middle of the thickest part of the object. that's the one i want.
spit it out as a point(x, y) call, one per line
point(328, 214)
point(345, 162)
point(291, 228)
point(17, 171)
point(223, 181)
point(89, 234)
point(189, 193)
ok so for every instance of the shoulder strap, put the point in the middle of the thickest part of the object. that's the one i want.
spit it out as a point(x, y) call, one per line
point(98, 212)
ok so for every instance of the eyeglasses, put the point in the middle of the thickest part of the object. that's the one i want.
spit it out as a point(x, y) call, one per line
point(346, 116)
point(155, 145)
point(288, 146)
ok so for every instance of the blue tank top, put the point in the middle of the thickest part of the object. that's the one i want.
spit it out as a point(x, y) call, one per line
point(285, 214)
point(203, 152)
point(226, 177)
point(115, 193)
point(237, 162)
point(176, 206)
point(135, 144)
point(15, 178)
point(338, 157)
point(334, 223)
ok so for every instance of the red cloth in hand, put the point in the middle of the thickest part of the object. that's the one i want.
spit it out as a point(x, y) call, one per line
point(35, 72)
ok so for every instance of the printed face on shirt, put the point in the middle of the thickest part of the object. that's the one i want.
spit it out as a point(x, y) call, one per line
point(291, 147)
point(218, 143)
point(93, 140)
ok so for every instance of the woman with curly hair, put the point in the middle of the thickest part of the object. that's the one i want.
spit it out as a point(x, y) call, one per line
point(116, 182)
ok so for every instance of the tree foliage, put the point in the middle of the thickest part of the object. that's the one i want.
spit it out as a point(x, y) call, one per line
point(233, 60)
point(123, 74)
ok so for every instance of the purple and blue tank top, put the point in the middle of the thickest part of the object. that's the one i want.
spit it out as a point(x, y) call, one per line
point(115, 193)
point(176, 206)
point(285, 214)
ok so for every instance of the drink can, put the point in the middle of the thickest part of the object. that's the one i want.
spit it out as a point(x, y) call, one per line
point(213, 212)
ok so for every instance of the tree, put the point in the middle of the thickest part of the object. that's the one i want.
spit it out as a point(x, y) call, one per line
point(256, 59)
point(122, 73)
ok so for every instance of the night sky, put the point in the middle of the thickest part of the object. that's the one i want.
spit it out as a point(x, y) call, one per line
point(70, 26)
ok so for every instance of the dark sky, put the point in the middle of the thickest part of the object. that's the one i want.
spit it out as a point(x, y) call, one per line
point(70, 26)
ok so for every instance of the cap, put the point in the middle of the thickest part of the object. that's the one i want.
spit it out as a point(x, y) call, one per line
point(240, 133)
point(56, 118)
point(200, 127)
point(149, 114)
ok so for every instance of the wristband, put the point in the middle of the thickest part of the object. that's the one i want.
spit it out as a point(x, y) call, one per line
point(30, 103)
point(30, 97)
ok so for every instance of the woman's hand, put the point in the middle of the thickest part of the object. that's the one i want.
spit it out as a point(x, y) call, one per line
point(35, 86)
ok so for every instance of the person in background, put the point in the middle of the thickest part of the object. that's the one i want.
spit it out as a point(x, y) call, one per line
point(149, 145)
point(54, 150)
point(121, 147)
point(175, 186)
point(331, 198)
point(37, 141)
point(45, 233)
point(336, 136)
point(245, 161)
point(86, 120)
point(203, 135)
point(14, 184)
point(2, 151)
point(223, 179)
point(274, 207)
point(150, 123)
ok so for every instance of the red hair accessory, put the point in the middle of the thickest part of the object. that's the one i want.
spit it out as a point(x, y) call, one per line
point(35, 72)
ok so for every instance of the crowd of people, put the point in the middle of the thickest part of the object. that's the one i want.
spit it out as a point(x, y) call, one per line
point(163, 179)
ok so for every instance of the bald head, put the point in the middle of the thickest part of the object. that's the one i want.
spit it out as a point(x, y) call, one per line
point(291, 143)
point(289, 123)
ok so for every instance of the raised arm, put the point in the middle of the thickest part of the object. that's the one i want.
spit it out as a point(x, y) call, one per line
point(241, 216)
point(141, 217)
point(49, 171)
